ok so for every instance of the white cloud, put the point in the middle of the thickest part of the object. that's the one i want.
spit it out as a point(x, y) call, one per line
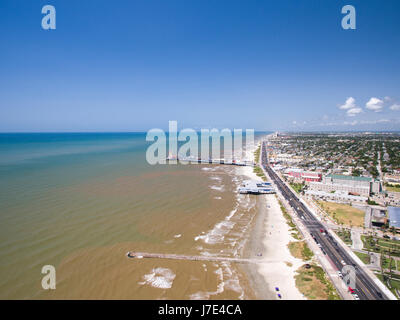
point(353, 111)
point(374, 121)
point(395, 107)
point(351, 107)
point(349, 104)
point(352, 123)
point(374, 104)
point(360, 122)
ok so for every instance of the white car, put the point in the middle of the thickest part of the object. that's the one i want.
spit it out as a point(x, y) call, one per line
point(343, 263)
point(340, 274)
point(356, 297)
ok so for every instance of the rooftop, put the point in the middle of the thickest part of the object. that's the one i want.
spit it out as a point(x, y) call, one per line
point(343, 177)
point(342, 195)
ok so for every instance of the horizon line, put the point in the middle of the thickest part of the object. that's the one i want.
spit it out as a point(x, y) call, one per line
point(256, 131)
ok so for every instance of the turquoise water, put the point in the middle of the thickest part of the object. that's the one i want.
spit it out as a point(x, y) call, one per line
point(33, 165)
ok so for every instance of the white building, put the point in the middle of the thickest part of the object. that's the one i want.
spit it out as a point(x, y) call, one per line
point(357, 186)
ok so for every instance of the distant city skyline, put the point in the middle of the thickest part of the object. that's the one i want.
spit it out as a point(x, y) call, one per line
point(264, 65)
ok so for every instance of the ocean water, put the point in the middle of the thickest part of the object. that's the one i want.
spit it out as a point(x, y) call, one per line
point(80, 201)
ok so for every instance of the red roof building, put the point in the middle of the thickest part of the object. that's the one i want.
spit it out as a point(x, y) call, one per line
point(305, 175)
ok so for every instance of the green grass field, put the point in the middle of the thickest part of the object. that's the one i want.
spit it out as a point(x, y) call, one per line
point(343, 213)
point(259, 172)
point(345, 236)
point(314, 284)
point(300, 250)
point(385, 263)
point(364, 257)
point(393, 283)
point(393, 188)
point(378, 244)
point(298, 187)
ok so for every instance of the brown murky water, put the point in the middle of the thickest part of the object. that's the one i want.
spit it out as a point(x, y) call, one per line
point(84, 222)
point(204, 218)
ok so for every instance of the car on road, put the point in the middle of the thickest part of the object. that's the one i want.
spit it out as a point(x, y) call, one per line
point(351, 290)
point(379, 294)
point(343, 263)
point(340, 274)
point(356, 297)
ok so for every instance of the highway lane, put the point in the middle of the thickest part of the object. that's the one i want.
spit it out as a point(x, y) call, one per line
point(365, 287)
point(368, 289)
point(335, 255)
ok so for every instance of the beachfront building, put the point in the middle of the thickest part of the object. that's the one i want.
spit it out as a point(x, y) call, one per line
point(309, 176)
point(358, 186)
point(256, 187)
point(337, 196)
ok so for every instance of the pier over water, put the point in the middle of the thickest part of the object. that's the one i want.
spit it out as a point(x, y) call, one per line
point(212, 161)
point(140, 255)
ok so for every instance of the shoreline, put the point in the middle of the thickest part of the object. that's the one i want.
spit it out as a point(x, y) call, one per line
point(254, 245)
point(270, 236)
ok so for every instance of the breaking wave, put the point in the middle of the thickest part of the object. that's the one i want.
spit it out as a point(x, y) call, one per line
point(162, 278)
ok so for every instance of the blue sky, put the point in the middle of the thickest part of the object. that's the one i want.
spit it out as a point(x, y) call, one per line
point(134, 65)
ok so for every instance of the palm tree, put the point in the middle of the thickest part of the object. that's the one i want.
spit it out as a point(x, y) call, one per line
point(393, 231)
point(390, 264)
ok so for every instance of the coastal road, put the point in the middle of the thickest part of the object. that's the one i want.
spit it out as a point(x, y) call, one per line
point(365, 286)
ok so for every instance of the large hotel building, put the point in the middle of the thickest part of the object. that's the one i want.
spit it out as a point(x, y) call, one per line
point(362, 186)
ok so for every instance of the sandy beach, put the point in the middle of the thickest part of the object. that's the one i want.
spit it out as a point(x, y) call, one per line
point(270, 236)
